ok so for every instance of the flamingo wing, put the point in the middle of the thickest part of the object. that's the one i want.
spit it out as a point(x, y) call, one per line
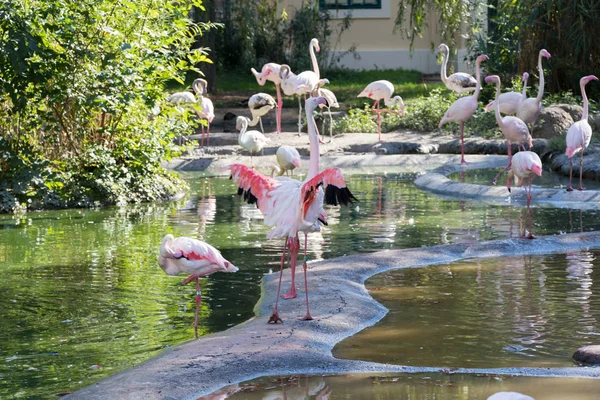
point(462, 81)
point(334, 184)
point(255, 187)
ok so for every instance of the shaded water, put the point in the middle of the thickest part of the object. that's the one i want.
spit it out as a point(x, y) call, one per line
point(549, 179)
point(83, 297)
point(426, 386)
point(511, 312)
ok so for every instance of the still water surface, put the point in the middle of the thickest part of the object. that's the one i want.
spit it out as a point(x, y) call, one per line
point(426, 386)
point(83, 297)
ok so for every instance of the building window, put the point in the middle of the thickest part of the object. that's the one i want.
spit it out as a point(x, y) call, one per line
point(350, 4)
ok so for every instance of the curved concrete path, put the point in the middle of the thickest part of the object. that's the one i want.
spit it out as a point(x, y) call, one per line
point(342, 307)
point(437, 182)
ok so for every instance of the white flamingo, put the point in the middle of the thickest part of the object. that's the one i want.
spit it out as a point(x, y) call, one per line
point(510, 101)
point(208, 111)
point(459, 82)
point(382, 90)
point(260, 104)
point(291, 206)
point(331, 102)
point(288, 159)
point(579, 134)
point(464, 108)
point(513, 129)
point(194, 257)
point(253, 141)
point(270, 72)
point(531, 107)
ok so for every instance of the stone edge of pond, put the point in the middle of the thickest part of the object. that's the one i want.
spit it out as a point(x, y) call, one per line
point(437, 181)
point(341, 306)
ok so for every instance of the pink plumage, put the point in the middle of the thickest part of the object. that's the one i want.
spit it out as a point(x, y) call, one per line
point(510, 101)
point(464, 108)
point(291, 206)
point(579, 134)
point(270, 72)
point(530, 109)
point(193, 257)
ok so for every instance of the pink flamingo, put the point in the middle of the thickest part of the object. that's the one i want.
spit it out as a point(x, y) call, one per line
point(291, 206)
point(525, 165)
point(530, 109)
point(270, 72)
point(208, 110)
point(288, 159)
point(194, 257)
point(579, 135)
point(382, 90)
point(513, 128)
point(459, 82)
point(464, 108)
point(260, 104)
point(510, 101)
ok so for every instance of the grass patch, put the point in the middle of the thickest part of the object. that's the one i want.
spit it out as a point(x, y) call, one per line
point(233, 86)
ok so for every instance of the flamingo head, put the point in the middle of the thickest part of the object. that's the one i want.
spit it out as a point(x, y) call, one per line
point(545, 53)
point(536, 169)
point(481, 58)
point(315, 43)
point(588, 78)
point(492, 78)
point(530, 143)
point(525, 76)
point(260, 78)
point(165, 247)
point(313, 102)
point(442, 48)
point(296, 162)
point(239, 122)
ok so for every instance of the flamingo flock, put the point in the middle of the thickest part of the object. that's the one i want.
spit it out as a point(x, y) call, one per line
point(292, 207)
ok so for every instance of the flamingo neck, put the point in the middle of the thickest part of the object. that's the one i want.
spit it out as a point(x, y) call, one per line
point(524, 92)
point(444, 65)
point(243, 130)
point(541, 86)
point(497, 101)
point(478, 77)
point(584, 116)
point(314, 163)
point(254, 120)
point(313, 58)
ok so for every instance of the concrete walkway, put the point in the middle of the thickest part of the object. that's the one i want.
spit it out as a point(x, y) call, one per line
point(341, 306)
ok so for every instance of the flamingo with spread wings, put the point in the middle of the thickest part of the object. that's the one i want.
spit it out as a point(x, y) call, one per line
point(291, 206)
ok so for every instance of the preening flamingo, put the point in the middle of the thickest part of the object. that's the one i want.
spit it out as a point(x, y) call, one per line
point(260, 104)
point(382, 90)
point(270, 72)
point(579, 135)
point(194, 257)
point(331, 102)
point(459, 82)
point(464, 108)
point(288, 159)
point(509, 396)
point(531, 107)
point(524, 167)
point(253, 141)
point(510, 101)
point(208, 110)
point(513, 129)
point(291, 206)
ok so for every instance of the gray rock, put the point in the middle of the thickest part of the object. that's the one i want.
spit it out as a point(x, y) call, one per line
point(553, 122)
point(588, 354)
point(574, 110)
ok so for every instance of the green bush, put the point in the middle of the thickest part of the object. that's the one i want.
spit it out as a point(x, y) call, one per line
point(80, 86)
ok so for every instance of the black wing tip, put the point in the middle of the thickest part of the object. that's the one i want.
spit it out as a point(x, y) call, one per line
point(335, 195)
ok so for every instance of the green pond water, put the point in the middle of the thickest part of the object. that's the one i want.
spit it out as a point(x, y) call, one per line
point(526, 311)
point(83, 296)
point(421, 386)
point(549, 179)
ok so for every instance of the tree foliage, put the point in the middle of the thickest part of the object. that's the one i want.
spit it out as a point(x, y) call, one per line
point(78, 81)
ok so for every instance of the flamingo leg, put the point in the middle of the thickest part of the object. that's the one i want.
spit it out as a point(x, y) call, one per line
point(330, 125)
point(379, 120)
point(307, 317)
point(300, 115)
point(570, 187)
point(530, 236)
point(261, 125)
point(581, 171)
point(207, 132)
point(274, 318)
point(202, 138)
point(462, 143)
point(279, 108)
point(294, 248)
point(198, 300)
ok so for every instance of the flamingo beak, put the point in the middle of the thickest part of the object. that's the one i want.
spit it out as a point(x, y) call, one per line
point(296, 162)
point(536, 169)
